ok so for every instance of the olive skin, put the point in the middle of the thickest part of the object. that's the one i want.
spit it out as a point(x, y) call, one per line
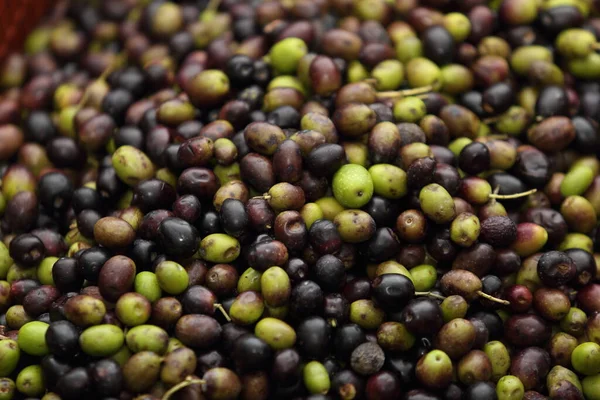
point(556, 268)
point(113, 232)
point(436, 203)
point(287, 161)
point(258, 171)
point(325, 159)
point(527, 330)
point(324, 236)
point(116, 277)
point(247, 345)
point(107, 377)
point(303, 200)
point(306, 298)
point(392, 290)
point(186, 325)
point(553, 134)
point(62, 338)
point(531, 365)
point(177, 237)
point(313, 336)
point(422, 316)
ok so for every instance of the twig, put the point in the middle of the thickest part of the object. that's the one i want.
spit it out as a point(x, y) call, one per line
point(187, 382)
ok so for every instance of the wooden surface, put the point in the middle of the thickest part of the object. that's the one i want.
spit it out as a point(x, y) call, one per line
point(17, 19)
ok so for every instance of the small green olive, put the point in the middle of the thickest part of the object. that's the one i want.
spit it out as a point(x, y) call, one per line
point(286, 54)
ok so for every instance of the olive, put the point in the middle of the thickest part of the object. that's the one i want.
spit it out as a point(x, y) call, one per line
point(556, 268)
point(557, 129)
point(497, 98)
point(247, 345)
point(116, 277)
point(222, 383)
point(10, 354)
point(392, 291)
point(27, 249)
point(85, 310)
point(474, 158)
point(30, 381)
point(313, 337)
point(107, 377)
point(325, 159)
point(113, 232)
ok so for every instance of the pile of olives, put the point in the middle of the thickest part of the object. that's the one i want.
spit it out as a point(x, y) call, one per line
point(302, 200)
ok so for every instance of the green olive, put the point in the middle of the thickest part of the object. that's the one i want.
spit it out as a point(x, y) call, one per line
point(499, 357)
point(132, 165)
point(366, 314)
point(591, 387)
point(32, 338)
point(389, 181)
point(586, 358)
point(30, 381)
point(44, 270)
point(147, 338)
point(352, 186)
point(437, 203)
point(311, 212)
point(409, 109)
point(278, 334)
point(219, 248)
point(510, 387)
point(465, 229)
point(354, 226)
point(424, 277)
point(172, 277)
point(389, 74)
point(286, 54)
point(422, 72)
point(275, 286)
point(146, 283)
point(329, 207)
point(247, 308)
point(524, 56)
point(458, 25)
point(9, 356)
point(101, 340)
point(249, 280)
point(576, 181)
point(133, 309)
point(575, 43)
point(316, 378)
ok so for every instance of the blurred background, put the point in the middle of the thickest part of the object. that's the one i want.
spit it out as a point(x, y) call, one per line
point(19, 17)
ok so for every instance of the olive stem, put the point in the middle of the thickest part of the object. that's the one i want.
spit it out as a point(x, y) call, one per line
point(430, 294)
point(498, 137)
point(220, 308)
point(406, 92)
point(212, 7)
point(265, 196)
point(492, 298)
point(491, 199)
point(107, 71)
point(512, 196)
point(370, 81)
point(491, 120)
point(187, 382)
